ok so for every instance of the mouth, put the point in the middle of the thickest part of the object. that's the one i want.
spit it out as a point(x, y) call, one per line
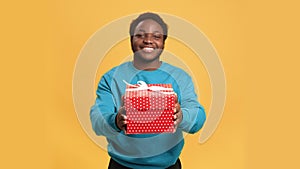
point(148, 49)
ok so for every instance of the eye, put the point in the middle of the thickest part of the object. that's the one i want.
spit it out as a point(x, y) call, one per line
point(158, 36)
point(139, 35)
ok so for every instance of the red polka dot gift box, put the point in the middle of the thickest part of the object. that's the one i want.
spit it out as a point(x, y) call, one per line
point(149, 108)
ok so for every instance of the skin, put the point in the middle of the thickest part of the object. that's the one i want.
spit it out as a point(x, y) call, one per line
point(147, 45)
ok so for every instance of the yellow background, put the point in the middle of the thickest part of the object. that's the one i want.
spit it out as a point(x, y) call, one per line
point(258, 44)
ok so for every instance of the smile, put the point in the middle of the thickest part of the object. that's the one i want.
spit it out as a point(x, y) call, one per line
point(148, 50)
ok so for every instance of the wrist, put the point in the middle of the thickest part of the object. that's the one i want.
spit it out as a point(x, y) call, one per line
point(116, 123)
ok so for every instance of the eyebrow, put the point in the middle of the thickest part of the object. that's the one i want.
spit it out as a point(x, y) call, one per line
point(142, 30)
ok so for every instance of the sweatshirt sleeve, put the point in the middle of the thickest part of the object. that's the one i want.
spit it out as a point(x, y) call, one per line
point(104, 111)
point(193, 113)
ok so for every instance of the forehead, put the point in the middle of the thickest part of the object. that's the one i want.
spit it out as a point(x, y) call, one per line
point(149, 26)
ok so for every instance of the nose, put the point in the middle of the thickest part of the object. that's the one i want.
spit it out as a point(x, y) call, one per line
point(148, 39)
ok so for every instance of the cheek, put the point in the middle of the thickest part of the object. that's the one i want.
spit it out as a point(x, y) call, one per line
point(161, 45)
point(136, 42)
point(134, 45)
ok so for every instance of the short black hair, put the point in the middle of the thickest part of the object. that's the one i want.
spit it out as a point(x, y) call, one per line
point(148, 15)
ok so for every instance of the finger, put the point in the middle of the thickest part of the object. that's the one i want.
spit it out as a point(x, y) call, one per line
point(122, 125)
point(122, 110)
point(175, 123)
point(177, 118)
point(175, 126)
point(177, 108)
point(123, 117)
point(174, 130)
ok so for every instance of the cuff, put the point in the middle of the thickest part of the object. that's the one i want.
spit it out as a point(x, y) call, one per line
point(113, 122)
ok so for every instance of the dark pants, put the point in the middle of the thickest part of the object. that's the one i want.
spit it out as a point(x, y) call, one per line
point(114, 165)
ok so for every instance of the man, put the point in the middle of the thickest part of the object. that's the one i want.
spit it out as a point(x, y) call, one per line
point(108, 116)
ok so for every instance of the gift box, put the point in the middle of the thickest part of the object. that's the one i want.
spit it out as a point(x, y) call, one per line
point(149, 108)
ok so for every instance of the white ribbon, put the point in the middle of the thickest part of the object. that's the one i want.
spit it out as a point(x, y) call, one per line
point(141, 85)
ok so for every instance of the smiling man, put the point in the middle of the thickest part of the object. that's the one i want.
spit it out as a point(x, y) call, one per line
point(148, 33)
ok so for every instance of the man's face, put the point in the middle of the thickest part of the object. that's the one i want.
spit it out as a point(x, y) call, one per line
point(147, 41)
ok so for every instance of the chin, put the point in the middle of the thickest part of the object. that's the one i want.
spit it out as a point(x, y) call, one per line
point(148, 56)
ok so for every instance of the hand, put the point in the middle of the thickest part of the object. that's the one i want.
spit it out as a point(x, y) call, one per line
point(177, 114)
point(121, 117)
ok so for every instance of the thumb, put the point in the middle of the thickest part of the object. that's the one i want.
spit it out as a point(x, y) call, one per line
point(176, 98)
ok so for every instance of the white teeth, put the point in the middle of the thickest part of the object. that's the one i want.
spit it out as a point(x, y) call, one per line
point(148, 50)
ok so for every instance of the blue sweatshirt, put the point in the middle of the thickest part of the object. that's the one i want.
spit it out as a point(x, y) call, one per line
point(147, 151)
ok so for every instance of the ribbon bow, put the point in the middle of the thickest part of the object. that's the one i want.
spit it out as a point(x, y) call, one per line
point(141, 85)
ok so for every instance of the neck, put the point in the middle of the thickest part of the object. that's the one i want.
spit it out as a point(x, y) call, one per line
point(149, 66)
